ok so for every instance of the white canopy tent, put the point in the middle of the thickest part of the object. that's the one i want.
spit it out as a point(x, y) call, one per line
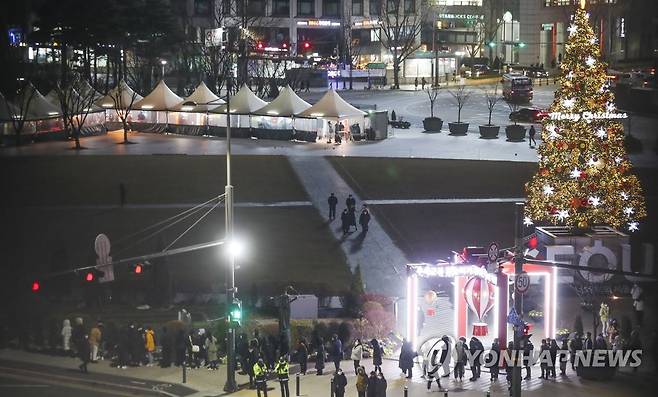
point(331, 107)
point(276, 119)
point(53, 98)
point(123, 95)
point(94, 122)
point(154, 108)
point(34, 107)
point(9, 112)
point(243, 104)
point(191, 116)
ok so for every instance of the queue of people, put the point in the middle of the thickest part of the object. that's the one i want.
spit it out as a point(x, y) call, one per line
point(348, 217)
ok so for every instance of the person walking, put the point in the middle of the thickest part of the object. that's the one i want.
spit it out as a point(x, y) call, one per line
point(380, 385)
point(423, 82)
point(460, 358)
point(345, 221)
point(282, 370)
point(552, 349)
point(357, 354)
point(416, 84)
point(302, 356)
point(495, 357)
point(83, 353)
point(476, 349)
point(212, 351)
point(336, 351)
point(361, 382)
point(340, 382)
point(531, 137)
point(352, 219)
point(260, 375)
point(350, 202)
point(406, 361)
point(332, 201)
point(433, 370)
point(376, 355)
point(149, 345)
point(66, 336)
point(364, 219)
point(319, 359)
point(95, 336)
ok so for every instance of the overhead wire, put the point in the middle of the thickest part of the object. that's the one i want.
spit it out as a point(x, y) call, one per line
point(219, 201)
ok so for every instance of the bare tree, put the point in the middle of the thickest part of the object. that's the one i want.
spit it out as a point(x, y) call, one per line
point(123, 100)
point(461, 95)
point(432, 94)
point(18, 112)
point(399, 32)
point(76, 102)
point(513, 108)
point(492, 98)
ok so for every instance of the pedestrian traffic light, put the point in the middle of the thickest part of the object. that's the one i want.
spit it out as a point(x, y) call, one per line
point(36, 286)
point(92, 275)
point(235, 312)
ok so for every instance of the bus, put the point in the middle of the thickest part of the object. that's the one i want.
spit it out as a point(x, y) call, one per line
point(517, 88)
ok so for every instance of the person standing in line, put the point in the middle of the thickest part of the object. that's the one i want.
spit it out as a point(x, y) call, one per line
point(461, 357)
point(361, 382)
point(527, 359)
point(380, 385)
point(212, 351)
point(476, 349)
point(149, 344)
point(336, 351)
point(66, 336)
point(552, 349)
point(282, 370)
point(531, 137)
point(376, 355)
point(319, 360)
point(302, 356)
point(94, 341)
point(406, 361)
point(495, 354)
point(340, 382)
point(364, 219)
point(563, 357)
point(357, 354)
point(433, 370)
point(260, 375)
point(333, 202)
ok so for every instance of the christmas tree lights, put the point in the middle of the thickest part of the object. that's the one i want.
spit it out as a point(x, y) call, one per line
point(584, 174)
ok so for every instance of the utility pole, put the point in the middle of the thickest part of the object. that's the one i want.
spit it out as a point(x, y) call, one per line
point(518, 297)
point(231, 384)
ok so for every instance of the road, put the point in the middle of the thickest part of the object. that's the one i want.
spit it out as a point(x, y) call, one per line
point(27, 379)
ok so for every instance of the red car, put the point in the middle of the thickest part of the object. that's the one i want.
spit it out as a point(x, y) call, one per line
point(530, 115)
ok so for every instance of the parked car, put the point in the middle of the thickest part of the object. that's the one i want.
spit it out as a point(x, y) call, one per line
point(530, 115)
point(477, 71)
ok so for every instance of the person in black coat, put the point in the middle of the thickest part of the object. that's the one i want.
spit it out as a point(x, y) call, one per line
point(494, 360)
point(340, 382)
point(302, 356)
point(380, 385)
point(371, 390)
point(350, 202)
point(376, 354)
point(364, 219)
point(352, 219)
point(345, 221)
point(319, 359)
point(180, 346)
point(476, 349)
point(84, 353)
point(167, 347)
point(333, 202)
point(406, 362)
point(531, 137)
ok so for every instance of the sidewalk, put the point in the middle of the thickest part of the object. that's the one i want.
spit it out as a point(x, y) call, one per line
point(382, 262)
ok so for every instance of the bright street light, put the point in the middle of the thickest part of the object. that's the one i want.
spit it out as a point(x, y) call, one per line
point(163, 62)
point(235, 248)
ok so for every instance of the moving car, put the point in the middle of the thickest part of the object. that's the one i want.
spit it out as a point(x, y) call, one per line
point(530, 115)
point(517, 88)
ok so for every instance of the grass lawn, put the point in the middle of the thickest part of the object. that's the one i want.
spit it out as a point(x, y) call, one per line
point(89, 180)
point(396, 178)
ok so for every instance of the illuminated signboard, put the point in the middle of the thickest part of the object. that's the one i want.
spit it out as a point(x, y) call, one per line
point(460, 16)
point(318, 22)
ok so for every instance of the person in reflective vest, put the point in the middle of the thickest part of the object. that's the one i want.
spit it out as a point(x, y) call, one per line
point(283, 373)
point(260, 375)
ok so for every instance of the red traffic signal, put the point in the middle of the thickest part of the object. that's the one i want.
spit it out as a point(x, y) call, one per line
point(89, 276)
point(307, 45)
point(92, 275)
point(137, 269)
point(284, 45)
point(259, 45)
point(36, 286)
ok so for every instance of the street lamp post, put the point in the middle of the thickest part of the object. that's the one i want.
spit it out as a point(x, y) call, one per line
point(518, 298)
point(163, 62)
point(231, 384)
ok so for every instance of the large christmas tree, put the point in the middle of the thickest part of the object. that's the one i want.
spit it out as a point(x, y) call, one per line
point(584, 174)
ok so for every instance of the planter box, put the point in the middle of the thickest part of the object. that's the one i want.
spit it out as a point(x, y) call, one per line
point(432, 124)
point(458, 128)
point(515, 133)
point(489, 131)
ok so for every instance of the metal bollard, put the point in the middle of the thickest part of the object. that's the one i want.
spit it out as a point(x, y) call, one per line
point(406, 391)
point(445, 394)
point(184, 373)
point(488, 393)
point(332, 387)
point(297, 381)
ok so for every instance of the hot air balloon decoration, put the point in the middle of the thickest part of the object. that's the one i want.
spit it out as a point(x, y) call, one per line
point(480, 298)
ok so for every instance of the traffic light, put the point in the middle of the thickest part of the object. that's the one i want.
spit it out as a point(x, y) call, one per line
point(235, 312)
point(92, 275)
point(521, 45)
point(260, 46)
point(491, 44)
point(137, 269)
point(36, 286)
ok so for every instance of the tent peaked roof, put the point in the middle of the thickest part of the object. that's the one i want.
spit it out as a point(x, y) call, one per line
point(54, 99)
point(287, 104)
point(203, 98)
point(124, 95)
point(161, 98)
point(331, 105)
point(86, 87)
point(244, 102)
point(35, 106)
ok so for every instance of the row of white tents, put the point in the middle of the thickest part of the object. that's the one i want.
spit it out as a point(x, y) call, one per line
point(202, 113)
